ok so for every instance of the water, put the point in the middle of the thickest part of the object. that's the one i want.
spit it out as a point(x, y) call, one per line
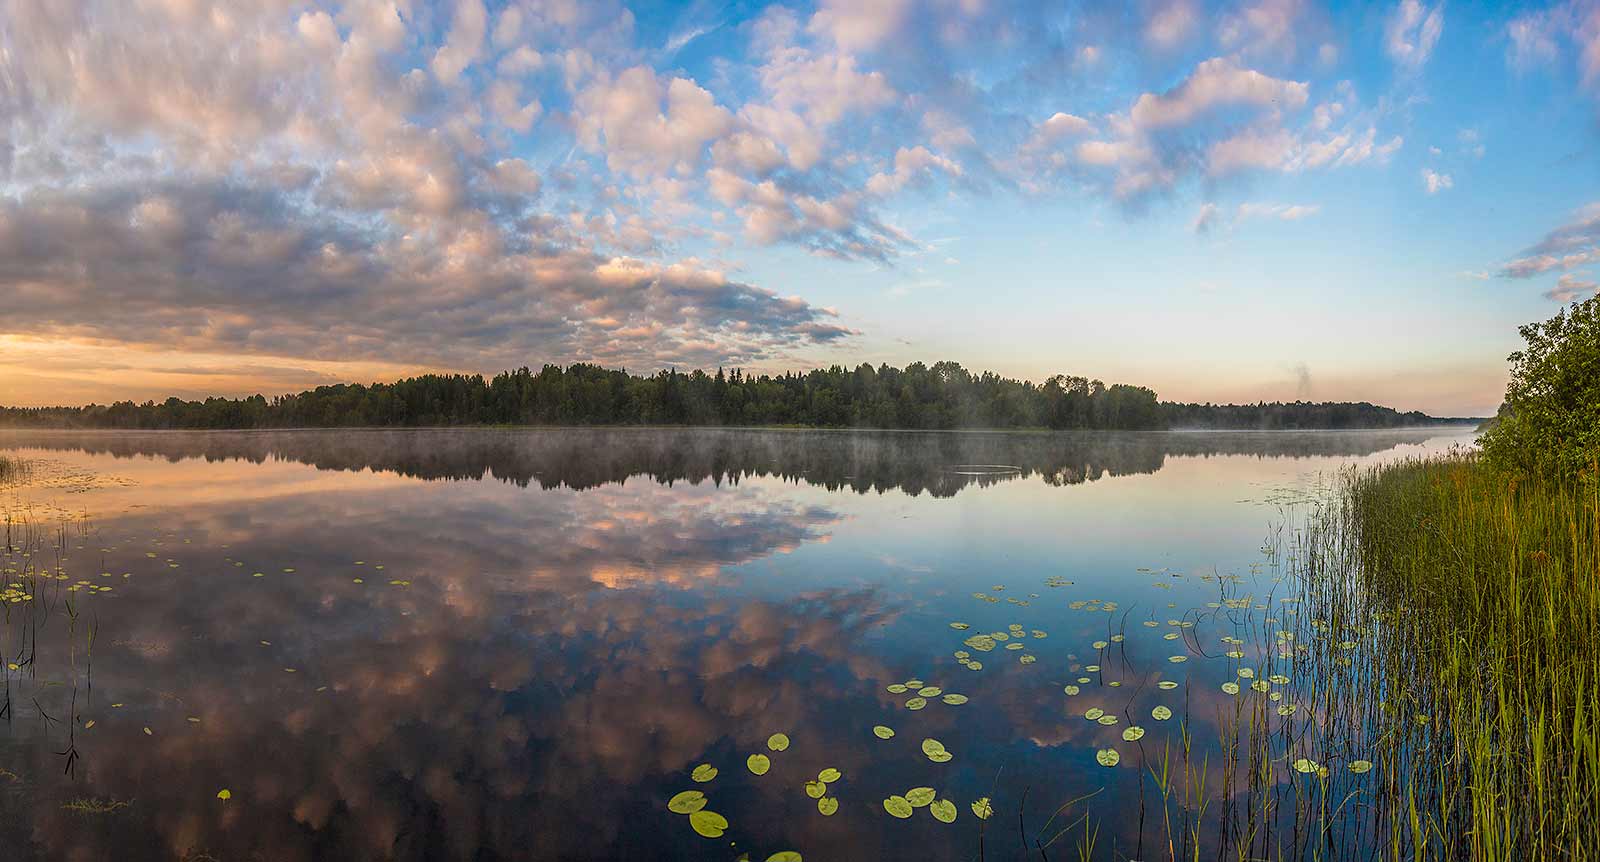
point(487, 644)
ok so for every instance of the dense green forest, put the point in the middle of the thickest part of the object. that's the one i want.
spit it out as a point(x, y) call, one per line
point(1277, 415)
point(943, 395)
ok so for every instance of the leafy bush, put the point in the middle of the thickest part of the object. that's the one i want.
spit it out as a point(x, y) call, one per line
point(1550, 424)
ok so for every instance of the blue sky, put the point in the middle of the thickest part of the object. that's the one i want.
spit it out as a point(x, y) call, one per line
point(1232, 201)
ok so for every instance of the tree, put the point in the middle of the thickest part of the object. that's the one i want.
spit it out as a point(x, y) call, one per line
point(1550, 424)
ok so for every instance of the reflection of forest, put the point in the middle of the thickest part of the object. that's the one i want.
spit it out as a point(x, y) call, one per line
point(861, 461)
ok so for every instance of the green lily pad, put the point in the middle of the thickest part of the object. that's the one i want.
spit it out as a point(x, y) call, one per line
point(943, 810)
point(758, 763)
point(920, 796)
point(777, 742)
point(882, 732)
point(687, 802)
point(703, 773)
point(898, 806)
point(708, 823)
point(1107, 757)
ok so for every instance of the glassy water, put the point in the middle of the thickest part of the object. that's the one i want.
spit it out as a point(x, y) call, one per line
point(492, 644)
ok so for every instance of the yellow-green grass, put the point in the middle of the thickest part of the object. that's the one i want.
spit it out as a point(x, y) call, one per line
point(1478, 676)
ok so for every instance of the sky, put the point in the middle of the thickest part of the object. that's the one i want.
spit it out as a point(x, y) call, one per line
point(1269, 199)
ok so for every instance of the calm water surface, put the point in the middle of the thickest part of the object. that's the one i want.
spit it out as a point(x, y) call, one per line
point(487, 644)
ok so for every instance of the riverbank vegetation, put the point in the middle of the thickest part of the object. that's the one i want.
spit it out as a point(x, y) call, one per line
point(1475, 582)
point(941, 396)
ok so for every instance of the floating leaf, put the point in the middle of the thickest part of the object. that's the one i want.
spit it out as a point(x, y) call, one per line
point(1107, 757)
point(829, 775)
point(1360, 766)
point(919, 796)
point(960, 627)
point(898, 806)
point(1167, 685)
point(931, 747)
point(687, 802)
point(758, 763)
point(1099, 645)
point(1278, 679)
point(930, 691)
point(943, 810)
point(1093, 713)
point(982, 809)
point(777, 742)
point(1027, 659)
point(1072, 690)
point(1306, 765)
point(882, 731)
point(1230, 687)
point(1108, 719)
point(1177, 659)
point(916, 703)
point(896, 688)
point(816, 789)
point(708, 823)
point(784, 856)
point(1161, 713)
point(954, 699)
point(1133, 734)
point(225, 794)
point(703, 773)
point(827, 805)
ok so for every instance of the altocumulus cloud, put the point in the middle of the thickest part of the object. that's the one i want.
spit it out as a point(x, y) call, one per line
point(337, 183)
point(468, 183)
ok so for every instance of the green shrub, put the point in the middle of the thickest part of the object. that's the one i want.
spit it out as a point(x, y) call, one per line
point(1550, 423)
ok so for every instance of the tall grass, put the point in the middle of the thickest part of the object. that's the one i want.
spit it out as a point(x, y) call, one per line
point(1476, 681)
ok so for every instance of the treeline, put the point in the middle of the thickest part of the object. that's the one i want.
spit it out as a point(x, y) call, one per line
point(940, 396)
point(1305, 415)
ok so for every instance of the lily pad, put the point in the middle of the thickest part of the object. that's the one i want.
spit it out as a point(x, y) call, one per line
point(981, 809)
point(954, 699)
point(1161, 713)
point(943, 810)
point(1133, 734)
point(687, 802)
point(916, 703)
point(829, 775)
point(816, 789)
point(777, 742)
point(703, 773)
point(1107, 757)
point(1360, 766)
point(882, 731)
point(920, 796)
point(708, 823)
point(898, 806)
point(827, 805)
point(758, 763)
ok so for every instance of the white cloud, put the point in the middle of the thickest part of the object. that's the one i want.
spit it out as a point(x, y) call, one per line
point(467, 29)
point(1435, 182)
point(1218, 82)
point(1411, 32)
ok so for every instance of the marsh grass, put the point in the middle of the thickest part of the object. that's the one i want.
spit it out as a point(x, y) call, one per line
point(1462, 606)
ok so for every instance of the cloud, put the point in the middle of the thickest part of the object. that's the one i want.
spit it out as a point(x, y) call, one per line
point(1435, 182)
point(1211, 216)
point(1216, 83)
point(1411, 32)
point(1573, 244)
point(1570, 287)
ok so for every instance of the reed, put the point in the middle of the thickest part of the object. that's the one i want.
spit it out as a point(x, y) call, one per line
point(1469, 603)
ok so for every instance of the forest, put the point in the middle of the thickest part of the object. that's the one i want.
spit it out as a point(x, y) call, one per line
point(941, 396)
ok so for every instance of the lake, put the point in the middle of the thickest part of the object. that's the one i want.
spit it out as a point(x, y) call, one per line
point(524, 644)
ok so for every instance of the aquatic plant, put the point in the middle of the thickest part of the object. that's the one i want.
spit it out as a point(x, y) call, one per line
point(1461, 608)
